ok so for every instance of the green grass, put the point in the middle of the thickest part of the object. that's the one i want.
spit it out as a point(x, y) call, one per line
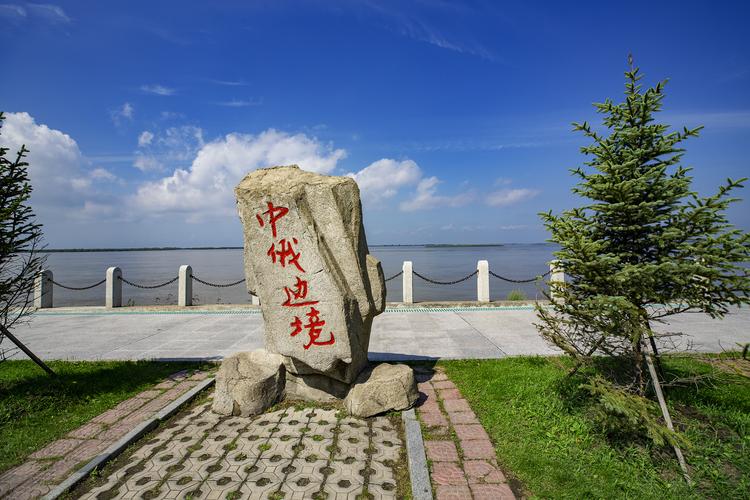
point(516, 295)
point(544, 436)
point(36, 409)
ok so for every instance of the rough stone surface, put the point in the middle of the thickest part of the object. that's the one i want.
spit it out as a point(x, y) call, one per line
point(248, 383)
point(306, 257)
point(382, 388)
point(314, 388)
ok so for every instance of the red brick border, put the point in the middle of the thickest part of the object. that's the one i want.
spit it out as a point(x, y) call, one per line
point(463, 464)
point(52, 464)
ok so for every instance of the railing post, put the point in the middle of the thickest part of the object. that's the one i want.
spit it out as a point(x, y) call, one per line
point(185, 286)
point(114, 288)
point(407, 282)
point(254, 299)
point(43, 289)
point(483, 281)
point(557, 275)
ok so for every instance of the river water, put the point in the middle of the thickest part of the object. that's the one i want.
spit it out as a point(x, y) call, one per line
point(517, 261)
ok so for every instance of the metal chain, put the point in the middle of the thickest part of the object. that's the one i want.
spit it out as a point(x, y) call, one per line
point(148, 287)
point(217, 285)
point(77, 288)
point(394, 276)
point(511, 280)
point(435, 282)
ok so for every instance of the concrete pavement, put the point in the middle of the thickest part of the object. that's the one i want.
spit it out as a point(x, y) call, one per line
point(400, 333)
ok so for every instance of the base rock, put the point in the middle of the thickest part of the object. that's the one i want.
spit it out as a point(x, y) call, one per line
point(382, 388)
point(248, 383)
point(314, 387)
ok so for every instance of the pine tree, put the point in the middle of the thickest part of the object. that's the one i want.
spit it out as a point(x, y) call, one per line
point(20, 241)
point(644, 246)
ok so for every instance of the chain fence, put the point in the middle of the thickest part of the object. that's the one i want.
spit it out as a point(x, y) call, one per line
point(218, 285)
point(511, 280)
point(148, 287)
point(436, 282)
point(394, 276)
point(78, 288)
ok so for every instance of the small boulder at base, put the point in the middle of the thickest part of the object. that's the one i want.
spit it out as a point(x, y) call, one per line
point(248, 383)
point(382, 388)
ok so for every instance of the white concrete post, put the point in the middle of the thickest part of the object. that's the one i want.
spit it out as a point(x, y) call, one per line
point(114, 287)
point(254, 299)
point(43, 289)
point(483, 281)
point(407, 283)
point(185, 286)
point(556, 276)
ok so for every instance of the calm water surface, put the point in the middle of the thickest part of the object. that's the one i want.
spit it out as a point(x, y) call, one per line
point(518, 261)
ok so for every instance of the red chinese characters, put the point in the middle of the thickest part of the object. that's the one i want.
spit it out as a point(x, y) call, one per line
point(283, 252)
point(295, 296)
point(314, 328)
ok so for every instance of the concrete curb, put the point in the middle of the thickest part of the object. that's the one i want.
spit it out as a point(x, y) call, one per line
point(418, 472)
point(120, 446)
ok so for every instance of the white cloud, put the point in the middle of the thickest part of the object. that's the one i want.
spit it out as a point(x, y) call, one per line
point(241, 103)
point(426, 197)
point(124, 112)
point(505, 197)
point(13, 11)
point(205, 188)
point(59, 173)
point(49, 12)
point(102, 174)
point(148, 163)
point(383, 178)
point(157, 89)
point(145, 138)
point(175, 144)
point(229, 83)
point(52, 14)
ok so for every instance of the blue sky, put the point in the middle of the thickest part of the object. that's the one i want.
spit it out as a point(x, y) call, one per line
point(453, 117)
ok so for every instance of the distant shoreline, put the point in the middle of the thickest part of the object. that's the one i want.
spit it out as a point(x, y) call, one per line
point(164, 249)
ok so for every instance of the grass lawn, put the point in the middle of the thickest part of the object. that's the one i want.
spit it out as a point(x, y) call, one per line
point(36, 409)
point(551, 445)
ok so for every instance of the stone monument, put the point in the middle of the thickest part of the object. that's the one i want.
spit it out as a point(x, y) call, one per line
point(306, 258)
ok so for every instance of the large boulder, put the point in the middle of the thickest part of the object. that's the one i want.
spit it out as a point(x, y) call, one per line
point(382, 388)
point(248, 383)
point(306, 258)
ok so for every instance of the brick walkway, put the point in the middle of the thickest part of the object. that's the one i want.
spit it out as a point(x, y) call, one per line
point(462, 458)
point(56, 461)
point(292, 453)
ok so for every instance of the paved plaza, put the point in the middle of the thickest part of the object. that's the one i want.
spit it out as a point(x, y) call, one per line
point(289, 453)
point(401, 333)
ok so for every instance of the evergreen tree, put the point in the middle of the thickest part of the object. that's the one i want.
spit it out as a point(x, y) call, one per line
point(20, 241)
point(644, 246)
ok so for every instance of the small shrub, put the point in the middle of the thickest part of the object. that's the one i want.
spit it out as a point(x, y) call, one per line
point(516, 295)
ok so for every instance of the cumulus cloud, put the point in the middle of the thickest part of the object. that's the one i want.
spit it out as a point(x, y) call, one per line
point(122, 113)
point(205, 188)
point(175, 144)
point(505, 197)
point(145, 138)
point(383, 178)
point(102, 174)
point(157, 89)
point(426, 197)
point(60, 175)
